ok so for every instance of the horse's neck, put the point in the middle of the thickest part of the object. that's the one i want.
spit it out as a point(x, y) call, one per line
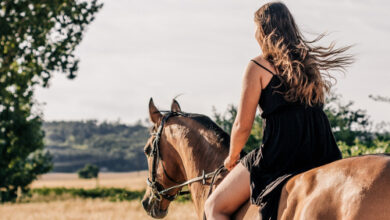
point(198, 157)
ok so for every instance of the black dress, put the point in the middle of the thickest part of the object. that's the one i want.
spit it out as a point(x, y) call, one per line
point(296, 138)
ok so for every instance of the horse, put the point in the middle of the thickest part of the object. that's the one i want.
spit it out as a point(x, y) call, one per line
point(184, 148)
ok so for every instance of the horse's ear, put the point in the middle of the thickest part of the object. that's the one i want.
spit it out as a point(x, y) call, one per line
point(175, 107)
point(154, 113)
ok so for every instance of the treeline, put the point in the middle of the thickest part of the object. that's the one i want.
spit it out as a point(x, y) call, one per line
point(111, 194)
point(110, 145)
point(354, 131)
point(118, 147)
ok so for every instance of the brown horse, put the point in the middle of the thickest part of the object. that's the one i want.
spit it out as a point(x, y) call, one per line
point(190, 145)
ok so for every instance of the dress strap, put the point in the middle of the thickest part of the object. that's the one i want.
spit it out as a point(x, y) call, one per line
point(263, 67)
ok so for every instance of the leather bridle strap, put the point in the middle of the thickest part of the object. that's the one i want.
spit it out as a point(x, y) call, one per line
point(157, 189)
point(156, 158)
point(202, 178)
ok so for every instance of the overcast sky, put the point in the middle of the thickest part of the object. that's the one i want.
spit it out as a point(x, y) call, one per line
point(135, 50)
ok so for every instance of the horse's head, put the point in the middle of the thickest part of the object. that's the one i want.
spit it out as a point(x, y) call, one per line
point(165, 166)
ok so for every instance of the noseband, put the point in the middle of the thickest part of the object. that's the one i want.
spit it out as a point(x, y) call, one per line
point(158, 191)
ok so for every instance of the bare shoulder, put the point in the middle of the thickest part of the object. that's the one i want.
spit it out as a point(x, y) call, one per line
point(255, 69)
point(252, 72)
point(260, 59)
point(263, 75)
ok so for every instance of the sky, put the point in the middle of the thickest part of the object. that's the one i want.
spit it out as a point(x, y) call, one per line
point(199, 49)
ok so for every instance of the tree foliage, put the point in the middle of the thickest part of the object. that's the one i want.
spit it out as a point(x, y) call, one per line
point(347, 123)
point(112, 146)
point(225, 121)
point(351, 127)
point(37, 38)
point(356, 149)
point(88, 172)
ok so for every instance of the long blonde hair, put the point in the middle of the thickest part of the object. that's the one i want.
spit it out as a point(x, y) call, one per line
point(303, 68)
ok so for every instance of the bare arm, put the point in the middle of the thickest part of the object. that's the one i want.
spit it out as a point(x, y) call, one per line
point(250, 94)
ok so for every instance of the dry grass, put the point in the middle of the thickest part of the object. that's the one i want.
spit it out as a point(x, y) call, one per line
point(130, 180)
point(95, 209)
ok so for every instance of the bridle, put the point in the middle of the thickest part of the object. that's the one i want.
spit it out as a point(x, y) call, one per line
point(158, 191)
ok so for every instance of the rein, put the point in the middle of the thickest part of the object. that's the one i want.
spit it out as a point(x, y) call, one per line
point(158, 192)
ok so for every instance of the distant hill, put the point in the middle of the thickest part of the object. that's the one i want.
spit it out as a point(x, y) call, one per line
point(111, 146)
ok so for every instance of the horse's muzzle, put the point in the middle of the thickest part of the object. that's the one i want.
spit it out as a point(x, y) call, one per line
point(152, 208)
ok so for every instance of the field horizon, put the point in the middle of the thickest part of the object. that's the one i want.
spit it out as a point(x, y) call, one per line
point(61, 208)
point(135, 180)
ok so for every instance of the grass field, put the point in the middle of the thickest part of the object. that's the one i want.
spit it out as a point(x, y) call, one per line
point(83, 209)
point(130, 180)
point(77, 208)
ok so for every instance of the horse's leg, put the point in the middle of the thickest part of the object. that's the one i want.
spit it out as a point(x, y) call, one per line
point(230, 194)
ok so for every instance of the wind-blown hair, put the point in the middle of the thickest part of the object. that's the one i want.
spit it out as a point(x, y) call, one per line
point(303, 68)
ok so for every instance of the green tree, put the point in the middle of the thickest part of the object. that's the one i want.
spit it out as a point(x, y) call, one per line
point(350, 126)
point(226, 120)
point(347, 123)
point(89, 171)
point(37, 38)
point(358, 148)
point(383, 127)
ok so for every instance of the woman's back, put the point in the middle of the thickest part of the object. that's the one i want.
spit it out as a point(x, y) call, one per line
point(272, 98)
point(297, 134)
point(296, 138)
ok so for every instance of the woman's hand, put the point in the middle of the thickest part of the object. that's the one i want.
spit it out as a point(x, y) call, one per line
point(231, 161)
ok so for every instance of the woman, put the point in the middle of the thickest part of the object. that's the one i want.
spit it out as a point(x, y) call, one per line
point(289, 81)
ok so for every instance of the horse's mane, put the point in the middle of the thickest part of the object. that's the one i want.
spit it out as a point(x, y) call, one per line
point(210, 125)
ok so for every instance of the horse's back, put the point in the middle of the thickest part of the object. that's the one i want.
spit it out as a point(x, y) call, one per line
point(352, 188)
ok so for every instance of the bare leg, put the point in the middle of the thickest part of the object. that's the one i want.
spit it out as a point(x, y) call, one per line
point(230, 194)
